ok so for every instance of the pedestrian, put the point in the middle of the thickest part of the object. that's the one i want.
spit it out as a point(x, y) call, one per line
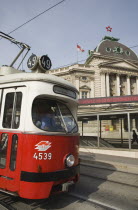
point(135, 138)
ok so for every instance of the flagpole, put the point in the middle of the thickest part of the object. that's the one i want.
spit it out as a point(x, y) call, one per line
point(80, 49)
point(77, 54)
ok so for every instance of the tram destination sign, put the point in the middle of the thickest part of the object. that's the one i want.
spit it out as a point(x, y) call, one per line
point(45, 62)
point(64, 91)
point(32, 61)
point(109, 100)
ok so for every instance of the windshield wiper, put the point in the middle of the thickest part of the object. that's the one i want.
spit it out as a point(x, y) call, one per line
point(62, 120)
point(71, 131)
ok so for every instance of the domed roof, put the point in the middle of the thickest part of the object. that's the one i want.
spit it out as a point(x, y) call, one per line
point(111, 47)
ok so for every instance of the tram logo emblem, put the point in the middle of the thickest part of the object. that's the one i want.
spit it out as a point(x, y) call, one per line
point(43, 145)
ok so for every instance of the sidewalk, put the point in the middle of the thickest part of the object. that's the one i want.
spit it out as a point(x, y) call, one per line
point(114, 152)
point(120, 160)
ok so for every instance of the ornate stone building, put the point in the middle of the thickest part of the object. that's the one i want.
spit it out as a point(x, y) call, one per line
point(111, 70)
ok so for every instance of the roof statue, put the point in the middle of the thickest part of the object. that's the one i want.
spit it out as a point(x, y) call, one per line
point(110, 38)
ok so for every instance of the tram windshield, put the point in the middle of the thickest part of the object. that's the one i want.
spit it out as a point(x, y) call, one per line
point(50, 115)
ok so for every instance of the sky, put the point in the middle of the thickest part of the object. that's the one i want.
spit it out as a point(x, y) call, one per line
point(57, 32)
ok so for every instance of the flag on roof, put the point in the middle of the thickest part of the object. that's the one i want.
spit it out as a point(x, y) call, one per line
point(79, 48)
point(109, 28)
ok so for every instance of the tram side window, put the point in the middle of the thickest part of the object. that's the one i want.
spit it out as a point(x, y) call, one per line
point(13, 152)
point(3, 149)
point(7, 119)
point(17, 110)
point(12, 110)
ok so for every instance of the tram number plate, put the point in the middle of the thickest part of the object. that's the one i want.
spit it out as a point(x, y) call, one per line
point(42, 156)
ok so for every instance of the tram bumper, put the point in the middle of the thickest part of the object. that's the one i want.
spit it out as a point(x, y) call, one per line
point(50, 176)
point(40, 185)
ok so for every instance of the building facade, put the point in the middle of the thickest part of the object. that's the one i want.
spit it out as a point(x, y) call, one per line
point(111, 70)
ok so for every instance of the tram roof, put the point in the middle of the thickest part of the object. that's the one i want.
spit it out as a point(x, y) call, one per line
point(23, 77)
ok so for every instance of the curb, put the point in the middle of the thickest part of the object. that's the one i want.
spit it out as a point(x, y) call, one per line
point(118, 153)
point(114, 166)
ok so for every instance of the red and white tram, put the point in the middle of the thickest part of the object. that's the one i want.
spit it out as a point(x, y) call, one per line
point(36, 158)
point(39, 140)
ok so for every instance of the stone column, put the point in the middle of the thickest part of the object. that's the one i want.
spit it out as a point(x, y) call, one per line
point(128, 85)
point(103, 93)
point(118, 84)
point(92, 88)
point(133, 124)
point(107, 85)
point(77, 83)
point(136, 85)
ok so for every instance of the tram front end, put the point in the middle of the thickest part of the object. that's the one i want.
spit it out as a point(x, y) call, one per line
point(50, 161)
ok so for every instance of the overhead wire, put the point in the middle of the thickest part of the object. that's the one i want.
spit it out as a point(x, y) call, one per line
point(70, 64)
point(134, 46)
point(36, 16)
point(42, 14)
point(33, 19)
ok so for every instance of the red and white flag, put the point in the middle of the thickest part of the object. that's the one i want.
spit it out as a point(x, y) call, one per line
point(79, 48)
point(109, 29)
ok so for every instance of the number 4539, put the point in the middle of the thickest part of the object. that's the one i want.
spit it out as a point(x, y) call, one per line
point(42, 156)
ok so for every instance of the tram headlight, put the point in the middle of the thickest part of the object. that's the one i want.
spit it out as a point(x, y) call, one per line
point(70, 160)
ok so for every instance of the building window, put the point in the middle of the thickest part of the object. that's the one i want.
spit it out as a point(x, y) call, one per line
point(112, 84)
point(133, 85)
point(123, 84)
point(85, 121)
point(115, 123)
point(84, 78)
point(118, 50)
point(108, 49)
point(127, 53)
point(84, 94)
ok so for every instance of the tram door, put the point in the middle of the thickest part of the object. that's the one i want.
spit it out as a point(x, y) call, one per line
point(10, 137)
